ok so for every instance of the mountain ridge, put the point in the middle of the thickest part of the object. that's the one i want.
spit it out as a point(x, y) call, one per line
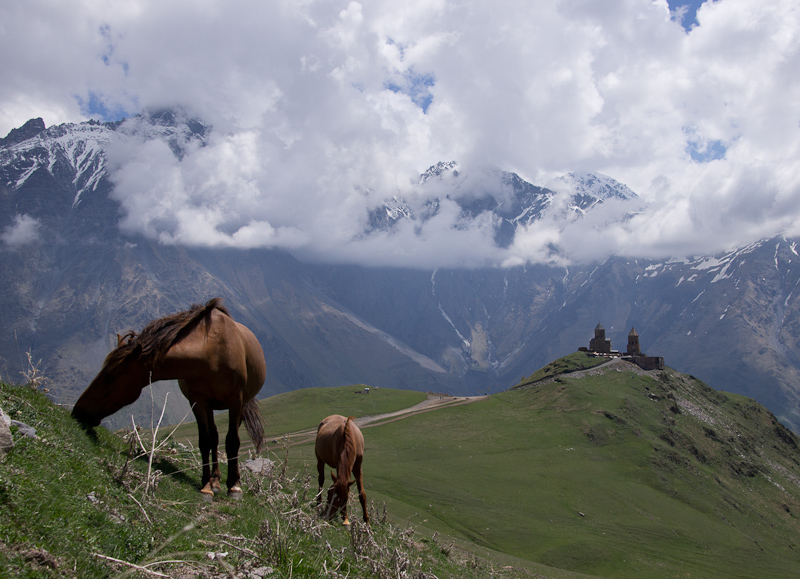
point(76, 279)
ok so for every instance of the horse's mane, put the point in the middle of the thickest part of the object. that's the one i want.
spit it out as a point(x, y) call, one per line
point(160, 335)
point(348, 455)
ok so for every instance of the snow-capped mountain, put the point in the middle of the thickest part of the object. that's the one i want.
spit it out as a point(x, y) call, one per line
point(588, 190)
point(596, 186)
point(512, 201)
point(440, 170)
point(73, 278)
point(76, 151)
point(730, 319)
point(176, 127)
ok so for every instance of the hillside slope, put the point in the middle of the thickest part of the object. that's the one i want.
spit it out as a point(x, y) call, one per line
point(76, 504)
point(610, 471)
point(605, 471)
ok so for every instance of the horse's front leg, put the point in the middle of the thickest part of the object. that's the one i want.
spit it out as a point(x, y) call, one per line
point(232, 449)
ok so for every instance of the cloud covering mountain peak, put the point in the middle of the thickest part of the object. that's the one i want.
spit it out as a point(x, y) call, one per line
point(322, 110)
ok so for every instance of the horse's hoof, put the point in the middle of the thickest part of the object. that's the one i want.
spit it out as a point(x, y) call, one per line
point(235, 493)
point(207, 496)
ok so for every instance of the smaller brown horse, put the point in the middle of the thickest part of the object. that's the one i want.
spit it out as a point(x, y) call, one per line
point(219, 365)
point(340, 445)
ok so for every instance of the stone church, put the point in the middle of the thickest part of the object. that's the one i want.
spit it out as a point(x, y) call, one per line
point(600, 346)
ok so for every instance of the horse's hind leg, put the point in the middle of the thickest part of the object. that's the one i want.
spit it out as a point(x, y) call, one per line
point(214, 439)
point(362, 495)
point(320, 478)
point(232, 449)
point(205, 440)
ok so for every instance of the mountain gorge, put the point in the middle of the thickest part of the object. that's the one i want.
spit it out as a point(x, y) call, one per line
point(75, 274)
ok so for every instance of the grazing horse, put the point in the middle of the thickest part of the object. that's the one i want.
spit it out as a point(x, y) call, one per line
point(340, 445)
point(219, 365)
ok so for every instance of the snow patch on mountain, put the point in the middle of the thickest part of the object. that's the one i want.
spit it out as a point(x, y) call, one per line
point(720, 266)
point(80, 146)
point(596, 185)
point(440, 169)
point(79, 150)
point(510, 202)
point(397, 209)
point(177, 127)
point(465, 343)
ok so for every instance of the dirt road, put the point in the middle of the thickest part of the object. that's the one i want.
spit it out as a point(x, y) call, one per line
point(434, 402)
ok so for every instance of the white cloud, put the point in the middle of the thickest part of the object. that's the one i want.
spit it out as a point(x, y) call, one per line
point(25, 230)
point(323, 108)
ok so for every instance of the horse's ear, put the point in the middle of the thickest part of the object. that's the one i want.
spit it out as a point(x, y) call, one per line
point(120, 339)
point(350, 483)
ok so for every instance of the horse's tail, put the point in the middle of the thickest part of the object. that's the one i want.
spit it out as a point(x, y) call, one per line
point(253, 423)
point(346, 432)
point(348, 450)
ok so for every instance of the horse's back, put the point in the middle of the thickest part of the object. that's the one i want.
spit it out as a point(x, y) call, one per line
point(328, 447)
point(330, 438)
point(211, 355)
point(328, 427)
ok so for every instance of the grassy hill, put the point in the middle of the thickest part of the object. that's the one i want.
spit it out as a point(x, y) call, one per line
point(621, 473)
point(80, 504)
point(574, 362)
point(603, 471)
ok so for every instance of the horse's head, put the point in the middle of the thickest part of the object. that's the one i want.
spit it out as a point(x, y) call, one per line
point(338, 495)
point(119, 383)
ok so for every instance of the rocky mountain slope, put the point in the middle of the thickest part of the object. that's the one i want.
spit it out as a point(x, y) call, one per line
point(731, 319)
point(73, 278)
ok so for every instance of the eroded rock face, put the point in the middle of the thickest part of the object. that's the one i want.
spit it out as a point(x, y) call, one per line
point(27, 131)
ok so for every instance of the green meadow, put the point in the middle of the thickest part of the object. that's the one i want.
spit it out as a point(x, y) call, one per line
point(79, 504)
point(616, 475)
point(619, 473)
point(304, 409)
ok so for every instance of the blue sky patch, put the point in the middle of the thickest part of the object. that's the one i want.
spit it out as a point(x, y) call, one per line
point(685, 12)
point(108, 56)
point(706, 151)
point(98, 108)
point(416, 86)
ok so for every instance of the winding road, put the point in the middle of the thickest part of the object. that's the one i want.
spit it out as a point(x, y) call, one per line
point(433, 402)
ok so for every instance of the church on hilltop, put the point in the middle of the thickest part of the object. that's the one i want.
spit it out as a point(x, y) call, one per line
point(600, 346)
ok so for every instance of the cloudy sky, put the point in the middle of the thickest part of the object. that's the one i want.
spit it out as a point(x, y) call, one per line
point(321, 109)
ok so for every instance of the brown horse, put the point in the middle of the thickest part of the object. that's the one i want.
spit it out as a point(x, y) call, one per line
point(219, 365)
point(340, 445)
